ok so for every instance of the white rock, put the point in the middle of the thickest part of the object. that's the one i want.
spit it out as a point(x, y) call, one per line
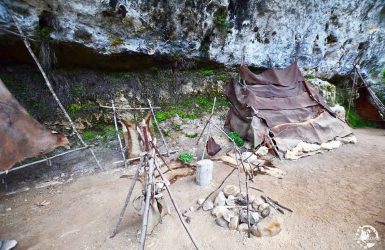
point(234, 222)
point(230, 190)
point(262, 207)
point(220, 200)
point(249, 157)
point(243, 227)
point(348, 139)
point(331, 145)
point(262, 151)
point(339, 111)
point(200, 201)
point(221, 222)
point(219, 211)
point(228, 215)
point(208, 205)
point(230, 201)
point(269, 226)
point(256, 202)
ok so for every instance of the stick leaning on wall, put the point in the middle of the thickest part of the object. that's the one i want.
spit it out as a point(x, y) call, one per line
point(48, 83)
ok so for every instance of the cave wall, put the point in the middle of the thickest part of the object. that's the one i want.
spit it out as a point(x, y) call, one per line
point(326, 37)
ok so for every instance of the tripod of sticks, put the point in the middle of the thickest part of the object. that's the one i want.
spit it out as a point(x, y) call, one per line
point(237, 155)
point(148, 165)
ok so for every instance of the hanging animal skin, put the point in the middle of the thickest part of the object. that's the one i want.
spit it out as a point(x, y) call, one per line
point(21, 136)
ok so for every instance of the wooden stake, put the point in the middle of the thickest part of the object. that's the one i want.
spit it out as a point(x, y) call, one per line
point(177, 209)
point(118, 135)
point(133, 182)
point(208, 121)
point(48, 83)
point(43, 160)
point(159, 129)
point(148, 194)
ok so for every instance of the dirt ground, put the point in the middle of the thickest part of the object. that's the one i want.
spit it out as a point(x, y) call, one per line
point(332, 194)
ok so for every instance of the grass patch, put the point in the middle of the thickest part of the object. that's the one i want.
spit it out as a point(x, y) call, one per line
point(207, 72)
point(191, 108)
point(75, 108)
point(102, 133)
point(186, 157)
point(356, 121)
point(238, 140)
point(220, 18)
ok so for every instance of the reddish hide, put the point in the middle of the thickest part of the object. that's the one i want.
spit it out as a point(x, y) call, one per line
point(21, 136)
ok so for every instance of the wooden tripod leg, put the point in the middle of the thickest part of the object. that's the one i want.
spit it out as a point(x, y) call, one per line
point(133, 182)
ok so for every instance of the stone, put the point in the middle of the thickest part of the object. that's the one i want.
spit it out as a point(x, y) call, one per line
point(230, 190)
point(228, 215)
point(230, 201)
point(262, 151)
point(219, 211)
point(254, 216)
point(243, 227)
point(256, 202)
point(331, 145)
point(349, 139)
point(265, 212)
point(220, 200)
point(269, 226)
point(221, 222)
point(207, 206)
point(234, 222)
point(200, 201)
point(262, 207)
point(249, 157)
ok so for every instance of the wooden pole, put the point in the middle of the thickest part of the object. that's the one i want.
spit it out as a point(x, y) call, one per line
point(177, 209)
point(40, 161)
point(149, 188)
point(48, 83)
point(159, 129)
point(133, 182)
point(120, 108)
point(208, 121)
point(118, 135)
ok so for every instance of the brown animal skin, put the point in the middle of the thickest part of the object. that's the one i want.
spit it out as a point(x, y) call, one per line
point(21, 136)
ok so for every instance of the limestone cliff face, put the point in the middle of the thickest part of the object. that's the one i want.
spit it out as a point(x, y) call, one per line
point(326, 36)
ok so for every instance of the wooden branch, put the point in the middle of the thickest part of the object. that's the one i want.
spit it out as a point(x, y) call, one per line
point(160, 155)
point(120, 108)
point(41, 161)
point(137, 158)
point(148, 194)
point(223, 182)
point(177, 209)
point(208, 121)
point(118, 135)
point(133, 182)
point(48, 83)
point(159, 129)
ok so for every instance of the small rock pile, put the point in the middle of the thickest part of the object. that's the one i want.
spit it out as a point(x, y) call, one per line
point(230, 211)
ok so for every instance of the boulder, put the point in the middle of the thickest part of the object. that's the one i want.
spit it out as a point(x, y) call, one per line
point(221, 222)
point(262, 151)
point(207, 206)
point(256, 202)
point(230, 201)
point(234, 222)
point(243, 227)
point(269, 226)
point(219, 211)
point(230, 190)
point(220, 200)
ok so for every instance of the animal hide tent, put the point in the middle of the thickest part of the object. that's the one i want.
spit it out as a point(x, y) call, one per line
point(21, 136)
point(280, 104)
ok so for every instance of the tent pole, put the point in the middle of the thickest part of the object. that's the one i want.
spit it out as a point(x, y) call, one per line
point(47, 82)
point(118, 135)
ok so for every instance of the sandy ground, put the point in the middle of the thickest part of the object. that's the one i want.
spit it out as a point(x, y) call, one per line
point(332, 194)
